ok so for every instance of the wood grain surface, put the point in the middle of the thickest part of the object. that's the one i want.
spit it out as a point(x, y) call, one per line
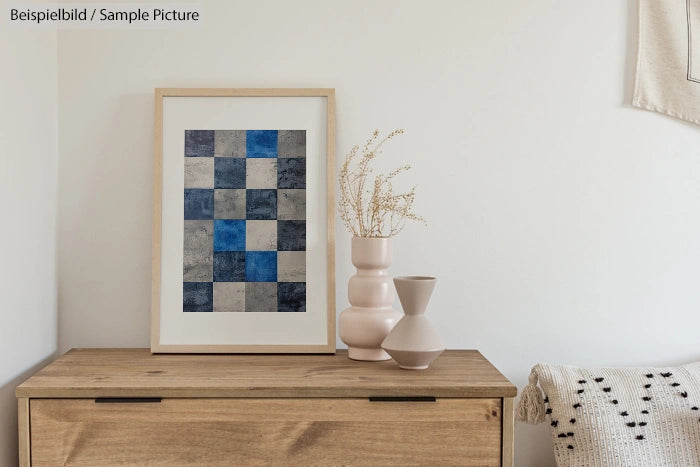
point(508, 431)
point(23, 434)
point(88, 373)
point(224, 432)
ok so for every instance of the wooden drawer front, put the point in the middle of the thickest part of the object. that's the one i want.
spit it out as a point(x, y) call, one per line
point(231, 432)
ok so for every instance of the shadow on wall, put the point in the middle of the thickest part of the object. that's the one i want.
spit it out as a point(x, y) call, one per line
point(104, 316)
point(8, 415)
point(631, 56)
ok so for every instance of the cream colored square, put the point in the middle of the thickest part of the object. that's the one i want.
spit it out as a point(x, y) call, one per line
point(291, 204)
point(199, 172)
point(261, 173)
point(291, 266)
point(260, 235)
point(262, 297)
point(229, 204)
point(229, 143)
point(229, 297)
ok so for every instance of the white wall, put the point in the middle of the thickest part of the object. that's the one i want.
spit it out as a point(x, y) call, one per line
point(28, 188)
point(563, 224)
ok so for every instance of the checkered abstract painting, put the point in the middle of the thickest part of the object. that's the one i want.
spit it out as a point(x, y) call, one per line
point(245, 221)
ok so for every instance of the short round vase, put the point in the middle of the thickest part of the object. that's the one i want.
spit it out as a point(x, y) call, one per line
point(414, 343)
point(371, 293)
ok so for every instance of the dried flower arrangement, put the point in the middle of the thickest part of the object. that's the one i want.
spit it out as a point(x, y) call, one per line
point(372, 209)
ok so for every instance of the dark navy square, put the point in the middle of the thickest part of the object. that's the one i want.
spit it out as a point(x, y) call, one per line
point(291, 297)
point(229, 235)
point(199, 203)
point(291, 173)
point(229, 172)
point(199, 143)
point(197, 297)
point(229, 266)
point(261, 266)
point(291, 235)
point(261, 204)
point(261, 143)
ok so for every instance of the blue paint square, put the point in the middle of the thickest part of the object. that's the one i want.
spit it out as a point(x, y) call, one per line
point(229, 172)
point(291, 173)
point(291, 297)
point(291, 235)
point(229, 266)
point(197, 297)
point(229, 235)
point(261, 266)
point(199, 204)
point(199, 143)
point(261, 204)
point(261, 143)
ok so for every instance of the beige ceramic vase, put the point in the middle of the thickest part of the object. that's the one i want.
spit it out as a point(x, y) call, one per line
point(371, 293)
point(413, 342)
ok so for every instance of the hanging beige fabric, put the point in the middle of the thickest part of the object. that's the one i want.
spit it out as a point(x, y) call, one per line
point(668, 62)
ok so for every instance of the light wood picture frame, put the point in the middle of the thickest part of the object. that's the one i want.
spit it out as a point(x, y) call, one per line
point(243, 241)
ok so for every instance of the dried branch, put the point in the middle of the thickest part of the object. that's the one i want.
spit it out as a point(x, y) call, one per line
point(371, 208)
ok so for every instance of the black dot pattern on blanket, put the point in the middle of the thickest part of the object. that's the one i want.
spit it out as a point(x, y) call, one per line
point(645, 412)
point(636, 404)
point(572, 421)
point(675, 384)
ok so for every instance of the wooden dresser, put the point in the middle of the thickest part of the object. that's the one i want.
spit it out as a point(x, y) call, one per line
point(95, 407)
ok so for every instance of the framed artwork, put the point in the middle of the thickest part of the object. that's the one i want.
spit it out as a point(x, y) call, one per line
point(243, 221)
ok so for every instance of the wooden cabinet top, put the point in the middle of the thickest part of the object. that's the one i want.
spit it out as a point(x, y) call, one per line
point(88, 373)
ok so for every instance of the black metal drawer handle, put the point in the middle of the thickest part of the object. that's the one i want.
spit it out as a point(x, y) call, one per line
point(402, 399)
point(130, 400)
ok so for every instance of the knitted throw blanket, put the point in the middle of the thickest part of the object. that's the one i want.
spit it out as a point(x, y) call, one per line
point(618, 416)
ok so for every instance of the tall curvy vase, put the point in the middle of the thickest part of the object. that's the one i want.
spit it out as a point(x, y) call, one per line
point(413, 342)
point(371, 293)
